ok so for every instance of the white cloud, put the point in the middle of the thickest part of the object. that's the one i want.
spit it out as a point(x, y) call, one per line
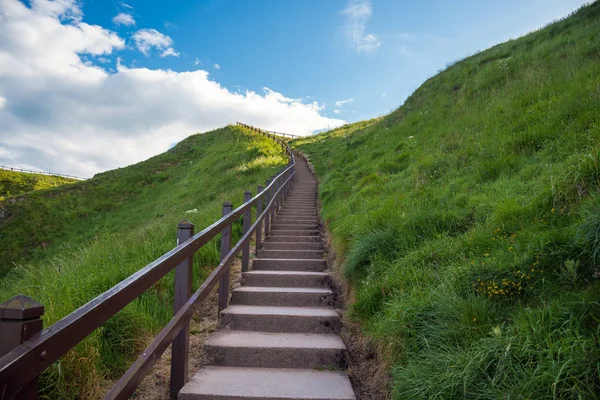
point(169, 52)
point(2, 102)
point(4, 153)
point(383, 95)
point(337, 111)
point(197, 61)
point(63, 115)
point(358, 13)
point(340, 103)
point(65, 9)
point(123, 19)
point(126, 5)
point(217, 66)
point(146, 39)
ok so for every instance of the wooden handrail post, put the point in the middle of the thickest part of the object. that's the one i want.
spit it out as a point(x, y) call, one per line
point(259, 209)
point(183, 291)
point(19, 321)
point(276, 205)
point(225, 247)
point(268, 214)
point(280, 186)
point(246, 222)
point(271, 197)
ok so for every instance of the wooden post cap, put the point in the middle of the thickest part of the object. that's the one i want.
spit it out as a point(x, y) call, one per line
point(185, 224)
point(21, 307)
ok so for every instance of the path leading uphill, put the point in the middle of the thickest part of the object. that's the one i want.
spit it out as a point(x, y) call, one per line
point(278, 338)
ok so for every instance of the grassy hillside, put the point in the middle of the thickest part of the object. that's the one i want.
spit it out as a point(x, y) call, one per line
point(13, 183)
point(99, 231)
point(468, 221)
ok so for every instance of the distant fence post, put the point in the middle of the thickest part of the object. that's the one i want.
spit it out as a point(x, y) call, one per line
point(259, 208)
point(267, 200)
point(19, 321)
point(246, 223)
point(225, 247)
point(183, 291)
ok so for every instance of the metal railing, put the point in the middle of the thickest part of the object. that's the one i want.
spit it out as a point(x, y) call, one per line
point(28, 171)
point(27, 350)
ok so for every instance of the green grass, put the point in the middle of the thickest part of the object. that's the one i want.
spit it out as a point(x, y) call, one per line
point(102, 230)
point(14, 183)
point(468, 221)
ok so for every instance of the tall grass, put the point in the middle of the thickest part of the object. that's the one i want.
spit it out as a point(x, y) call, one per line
point(469, 221)
point(107, 228)
point(13, 183)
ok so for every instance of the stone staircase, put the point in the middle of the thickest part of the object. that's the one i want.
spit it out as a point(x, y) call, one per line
point(279, 334)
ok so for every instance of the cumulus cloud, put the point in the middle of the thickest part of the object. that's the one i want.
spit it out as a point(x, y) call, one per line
point(147, 39)
point(123, 19)
point(4, 153)
point(340, 103)
point(169, 52)
point(65, 114)
point(358, 13)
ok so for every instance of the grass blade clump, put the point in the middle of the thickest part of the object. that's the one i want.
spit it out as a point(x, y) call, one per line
point(468, 221)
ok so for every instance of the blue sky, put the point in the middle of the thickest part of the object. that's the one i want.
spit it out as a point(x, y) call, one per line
point(301, 48)
point(91, 85)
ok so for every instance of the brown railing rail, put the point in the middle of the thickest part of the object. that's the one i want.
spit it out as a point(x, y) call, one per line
point(27, 350)
point(29, 171)
point(273, 133)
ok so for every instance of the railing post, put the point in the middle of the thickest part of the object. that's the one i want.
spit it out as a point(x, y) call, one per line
point(280, 197)
point(183, 291)
point(225, 247)
point(268, 214)
point(259, 208)
point(19, 321)
point(272, 196)
point(275, 189)
point(246, 223)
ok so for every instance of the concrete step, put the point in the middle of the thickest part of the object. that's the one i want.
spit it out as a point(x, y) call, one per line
point(292, 254)
point(295, 210)
point(297, 218)
point(282, 296)
point(294, 227)
point(286, 279)
point(303, 232)
point(276, 350)
point(278, 264)
point(272, 245)
point(288, 214)
point(281, 319)
point(299, 239)
point(304, 221)
point(220, 383)
point(298, 210)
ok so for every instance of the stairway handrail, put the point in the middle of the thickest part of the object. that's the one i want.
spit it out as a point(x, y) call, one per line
point(20, 368)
